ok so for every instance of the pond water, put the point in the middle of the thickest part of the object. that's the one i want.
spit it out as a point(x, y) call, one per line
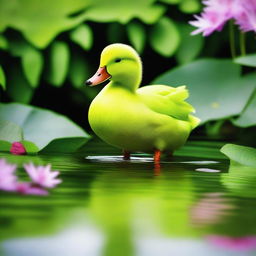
point(196, 203)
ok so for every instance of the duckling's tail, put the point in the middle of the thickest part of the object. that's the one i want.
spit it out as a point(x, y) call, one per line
point(194, 121)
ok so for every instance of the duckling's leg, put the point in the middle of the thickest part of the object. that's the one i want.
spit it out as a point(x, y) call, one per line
point(157, 156)
point(126, 155)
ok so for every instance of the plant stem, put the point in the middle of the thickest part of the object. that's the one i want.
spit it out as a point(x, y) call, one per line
point(232, 39)
point(242, 43)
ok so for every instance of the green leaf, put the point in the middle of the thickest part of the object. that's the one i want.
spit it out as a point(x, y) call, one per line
point(190, 46)
point(83, 36)
point(171, 1)
point(165, 37)
point(115, 33)
point(10, 131)
point(240, 154)
point(190, 6)
point(32, 64)
point(41, 21)
point(59, 62)
point(30, 147)
point(79, 70)
point(5, 146)
point(216, 88)
point(40, 126)
point(31, 59)
point(65, 145)
point(18, 88)
point(137, 35)
point(2, 78)
point(248, 60)
point(3, 43)
point(123, 11)
point(248, 116)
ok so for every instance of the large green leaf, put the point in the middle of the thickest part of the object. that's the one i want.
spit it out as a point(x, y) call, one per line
point(82, 36)
point(216, 88)
point(41, 126)
point(248, 60)
point(41, 21)
point(137, 35)
point(10, 131)
point(79, 70)
point(2, 78)
point(240, 154)
point(59, 62)
point(165, 37)
point(123, 11)
point(190, 46)
point(248, 116)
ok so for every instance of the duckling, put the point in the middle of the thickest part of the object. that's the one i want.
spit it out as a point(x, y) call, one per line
point(151, 119)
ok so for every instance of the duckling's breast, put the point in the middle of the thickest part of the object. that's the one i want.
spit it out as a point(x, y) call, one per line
point(118, 117)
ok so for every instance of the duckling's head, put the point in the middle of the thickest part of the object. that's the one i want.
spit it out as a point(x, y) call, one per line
point(121, 64)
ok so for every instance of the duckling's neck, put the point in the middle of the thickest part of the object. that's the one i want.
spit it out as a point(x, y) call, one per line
point(131, 80)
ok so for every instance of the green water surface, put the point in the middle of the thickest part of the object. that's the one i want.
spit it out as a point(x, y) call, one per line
point(196, 203)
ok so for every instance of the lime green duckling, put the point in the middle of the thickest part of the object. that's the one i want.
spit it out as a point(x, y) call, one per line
point(154, 118)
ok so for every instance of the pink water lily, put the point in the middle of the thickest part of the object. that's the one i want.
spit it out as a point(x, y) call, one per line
point(217, 12)
point(28, 188)
point(246, 19)
point(8, 178)
point(42, 175)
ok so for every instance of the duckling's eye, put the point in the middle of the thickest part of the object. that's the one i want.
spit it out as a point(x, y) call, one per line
point(118, 60)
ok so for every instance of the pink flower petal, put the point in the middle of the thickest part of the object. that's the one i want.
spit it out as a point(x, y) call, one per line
point(27, 188)
point(7, 177)
point(42, 175)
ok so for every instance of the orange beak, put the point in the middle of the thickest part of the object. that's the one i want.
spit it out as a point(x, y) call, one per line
point(99, 77)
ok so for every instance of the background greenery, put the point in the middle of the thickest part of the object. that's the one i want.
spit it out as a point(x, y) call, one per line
point(48, 49)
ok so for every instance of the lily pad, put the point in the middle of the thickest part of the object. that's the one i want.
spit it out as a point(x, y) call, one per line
point(42, 126)
point(10, 132)
point(248, 116)
point(247, 60)
point(216, 87)
point(240, 154)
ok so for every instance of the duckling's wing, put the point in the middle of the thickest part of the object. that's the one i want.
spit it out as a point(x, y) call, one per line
point(169, 101)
